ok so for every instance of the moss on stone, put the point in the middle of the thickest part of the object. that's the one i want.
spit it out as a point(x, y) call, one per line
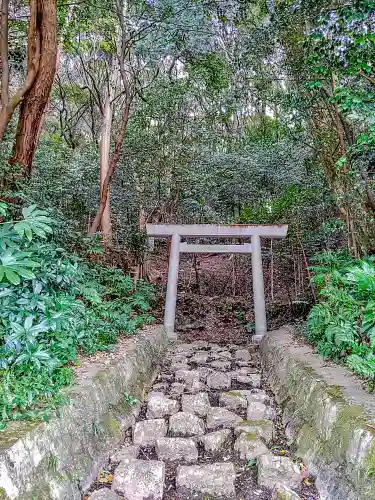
point(281, 495)
point(233, 394)
point(101, 374)
point(335, 391)
point(3, 495)
point(15, 431)
point(250, 436)
point(348, 420)
point(111, 425)
point(255, 422)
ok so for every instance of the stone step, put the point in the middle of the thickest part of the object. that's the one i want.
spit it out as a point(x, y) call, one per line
point(139, 479)
point(159, 405)
point(104, 494)
point(275, 470)
point(221, 418)
point(176, 450)
point(211, 482)
point(183, 431)
point(199, 403)
point(184, 424)
point(146, 432)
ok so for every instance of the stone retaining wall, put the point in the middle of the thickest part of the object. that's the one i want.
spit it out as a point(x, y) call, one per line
point(58, 459)
point(326, 414)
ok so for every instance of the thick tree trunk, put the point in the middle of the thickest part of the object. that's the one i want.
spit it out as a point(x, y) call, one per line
point(36, 99)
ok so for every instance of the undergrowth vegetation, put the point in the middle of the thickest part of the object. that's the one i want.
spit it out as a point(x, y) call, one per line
point(54, 306)
point(342, 324)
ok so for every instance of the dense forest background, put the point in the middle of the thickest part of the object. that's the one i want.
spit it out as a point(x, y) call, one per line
point(116, 113)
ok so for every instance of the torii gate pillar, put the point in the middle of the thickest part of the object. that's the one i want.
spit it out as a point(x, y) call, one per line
point(245, 231)
point(171, 298)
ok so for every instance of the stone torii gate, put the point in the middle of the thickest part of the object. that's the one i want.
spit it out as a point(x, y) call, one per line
point(241, 231)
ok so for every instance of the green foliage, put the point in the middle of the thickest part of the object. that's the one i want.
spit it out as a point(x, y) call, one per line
point(341, 51)
point(213, 69)
point(53, 305)
point(342, 324)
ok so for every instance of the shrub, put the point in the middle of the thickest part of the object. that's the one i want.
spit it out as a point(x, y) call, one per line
point(53, 306)
point(342, 324)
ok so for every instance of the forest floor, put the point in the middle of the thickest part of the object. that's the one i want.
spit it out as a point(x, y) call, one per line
point(215, 293)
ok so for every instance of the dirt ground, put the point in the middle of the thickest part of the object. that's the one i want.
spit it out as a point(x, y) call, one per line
point(215, 300)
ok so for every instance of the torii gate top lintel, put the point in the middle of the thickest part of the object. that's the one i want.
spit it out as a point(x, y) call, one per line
point(240, 231)
point(217, 231)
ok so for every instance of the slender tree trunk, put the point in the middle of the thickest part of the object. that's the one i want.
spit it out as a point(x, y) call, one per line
point(111, 170)
point(4, 57)
point(105, 141)
point(35, 101)
point(33, 63)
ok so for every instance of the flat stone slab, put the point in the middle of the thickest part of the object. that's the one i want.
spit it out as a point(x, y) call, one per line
point(196, 387)
point(220, 355)
point(259, 411)
point(220, 365)
point(259, 396)
point(199, 404)
point(264, 429)
point(185, 425)
point(204, 372)
point(176, 367)
point(219, 380)
point(199, 358)
point(139, 479)
point(233, 400)
point(219, 418)
point(242, 355)
point(177, 388)
point(224, 354)
point(159, 405)
point(274, 470)
point(206, 482)
point(249, 446)
point(282, 492)
point(183, 348)
point(146, 432)
point(160, 387)
point(187, 376)
point(253, 380)
point(217, 441)
point(104, 494)
point(179, 358)
point(200, 344)
point(125, 453)
point(176, 450)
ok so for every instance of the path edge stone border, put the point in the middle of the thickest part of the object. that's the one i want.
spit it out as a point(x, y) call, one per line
point(59, 459)
point(328, 416)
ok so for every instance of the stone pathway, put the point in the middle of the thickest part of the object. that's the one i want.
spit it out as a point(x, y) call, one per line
point(208, 431)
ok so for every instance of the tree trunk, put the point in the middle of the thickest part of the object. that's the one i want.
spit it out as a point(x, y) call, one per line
point(35, 101)
point(111, 170)
point(105, 141)
point(33, 61)
point(4, 57)
point(351, 189)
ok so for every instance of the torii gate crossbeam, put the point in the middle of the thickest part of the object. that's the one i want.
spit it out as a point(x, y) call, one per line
point(241, 231)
